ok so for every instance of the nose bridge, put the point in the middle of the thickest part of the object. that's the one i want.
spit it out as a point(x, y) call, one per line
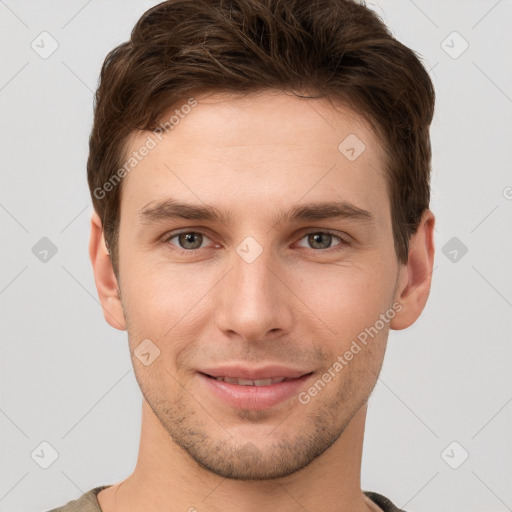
point(253, 302)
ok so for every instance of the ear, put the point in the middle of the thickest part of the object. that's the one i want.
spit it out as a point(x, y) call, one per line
point(415, 276)
point(104, 276)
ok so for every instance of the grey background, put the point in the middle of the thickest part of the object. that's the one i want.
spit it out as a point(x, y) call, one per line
point(66, 375)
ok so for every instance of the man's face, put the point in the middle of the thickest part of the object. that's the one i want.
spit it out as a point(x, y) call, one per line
point(258, 294)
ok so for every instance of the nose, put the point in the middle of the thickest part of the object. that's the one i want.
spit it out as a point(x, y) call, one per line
point(255, 301)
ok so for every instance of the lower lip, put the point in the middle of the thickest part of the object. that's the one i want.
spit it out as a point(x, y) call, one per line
point(254, 397)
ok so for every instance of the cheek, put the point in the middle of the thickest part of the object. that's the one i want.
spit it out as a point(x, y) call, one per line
point(164, 301)
point(346, 299)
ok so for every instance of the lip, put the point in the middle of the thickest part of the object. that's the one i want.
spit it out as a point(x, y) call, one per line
point(254, 397)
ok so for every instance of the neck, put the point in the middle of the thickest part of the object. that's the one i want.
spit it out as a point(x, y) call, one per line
point(167, 479)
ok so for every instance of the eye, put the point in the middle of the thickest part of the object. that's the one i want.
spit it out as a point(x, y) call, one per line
point(187, 240)
point(322, 240)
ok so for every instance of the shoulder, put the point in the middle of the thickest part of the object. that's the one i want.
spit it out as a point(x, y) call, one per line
point(88, 502)
point(384, 503)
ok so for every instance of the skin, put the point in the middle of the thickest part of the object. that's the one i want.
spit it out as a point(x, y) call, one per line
point(298, 304)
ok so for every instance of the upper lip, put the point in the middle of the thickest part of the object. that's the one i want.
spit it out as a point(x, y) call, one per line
point(251, 373)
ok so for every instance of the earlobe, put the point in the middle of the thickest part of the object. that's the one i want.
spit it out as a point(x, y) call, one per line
point(415, 276)
point(104, 276)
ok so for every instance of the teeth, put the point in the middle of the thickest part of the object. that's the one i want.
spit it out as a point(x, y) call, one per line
point(247, 382)
point(263, 382)
point(231, 380)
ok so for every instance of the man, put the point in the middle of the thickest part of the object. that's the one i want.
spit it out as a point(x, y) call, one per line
point(259, 171)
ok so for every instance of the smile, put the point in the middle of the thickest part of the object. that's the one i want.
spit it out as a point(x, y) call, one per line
point(256, 393)
point(248, 382)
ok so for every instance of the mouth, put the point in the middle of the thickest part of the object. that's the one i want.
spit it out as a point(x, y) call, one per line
point(256, 389)
point(249, 382)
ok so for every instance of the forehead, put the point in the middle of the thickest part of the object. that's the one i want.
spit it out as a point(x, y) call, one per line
point(269, 148)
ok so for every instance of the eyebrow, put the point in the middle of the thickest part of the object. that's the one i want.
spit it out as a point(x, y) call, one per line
point(171, 209)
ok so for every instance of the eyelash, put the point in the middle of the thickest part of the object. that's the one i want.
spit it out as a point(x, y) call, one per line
point(343, 242)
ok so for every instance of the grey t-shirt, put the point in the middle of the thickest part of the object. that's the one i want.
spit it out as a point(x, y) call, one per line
point(88, 502)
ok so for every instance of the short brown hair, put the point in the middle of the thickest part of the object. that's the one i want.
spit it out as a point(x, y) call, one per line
point(338, 49)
